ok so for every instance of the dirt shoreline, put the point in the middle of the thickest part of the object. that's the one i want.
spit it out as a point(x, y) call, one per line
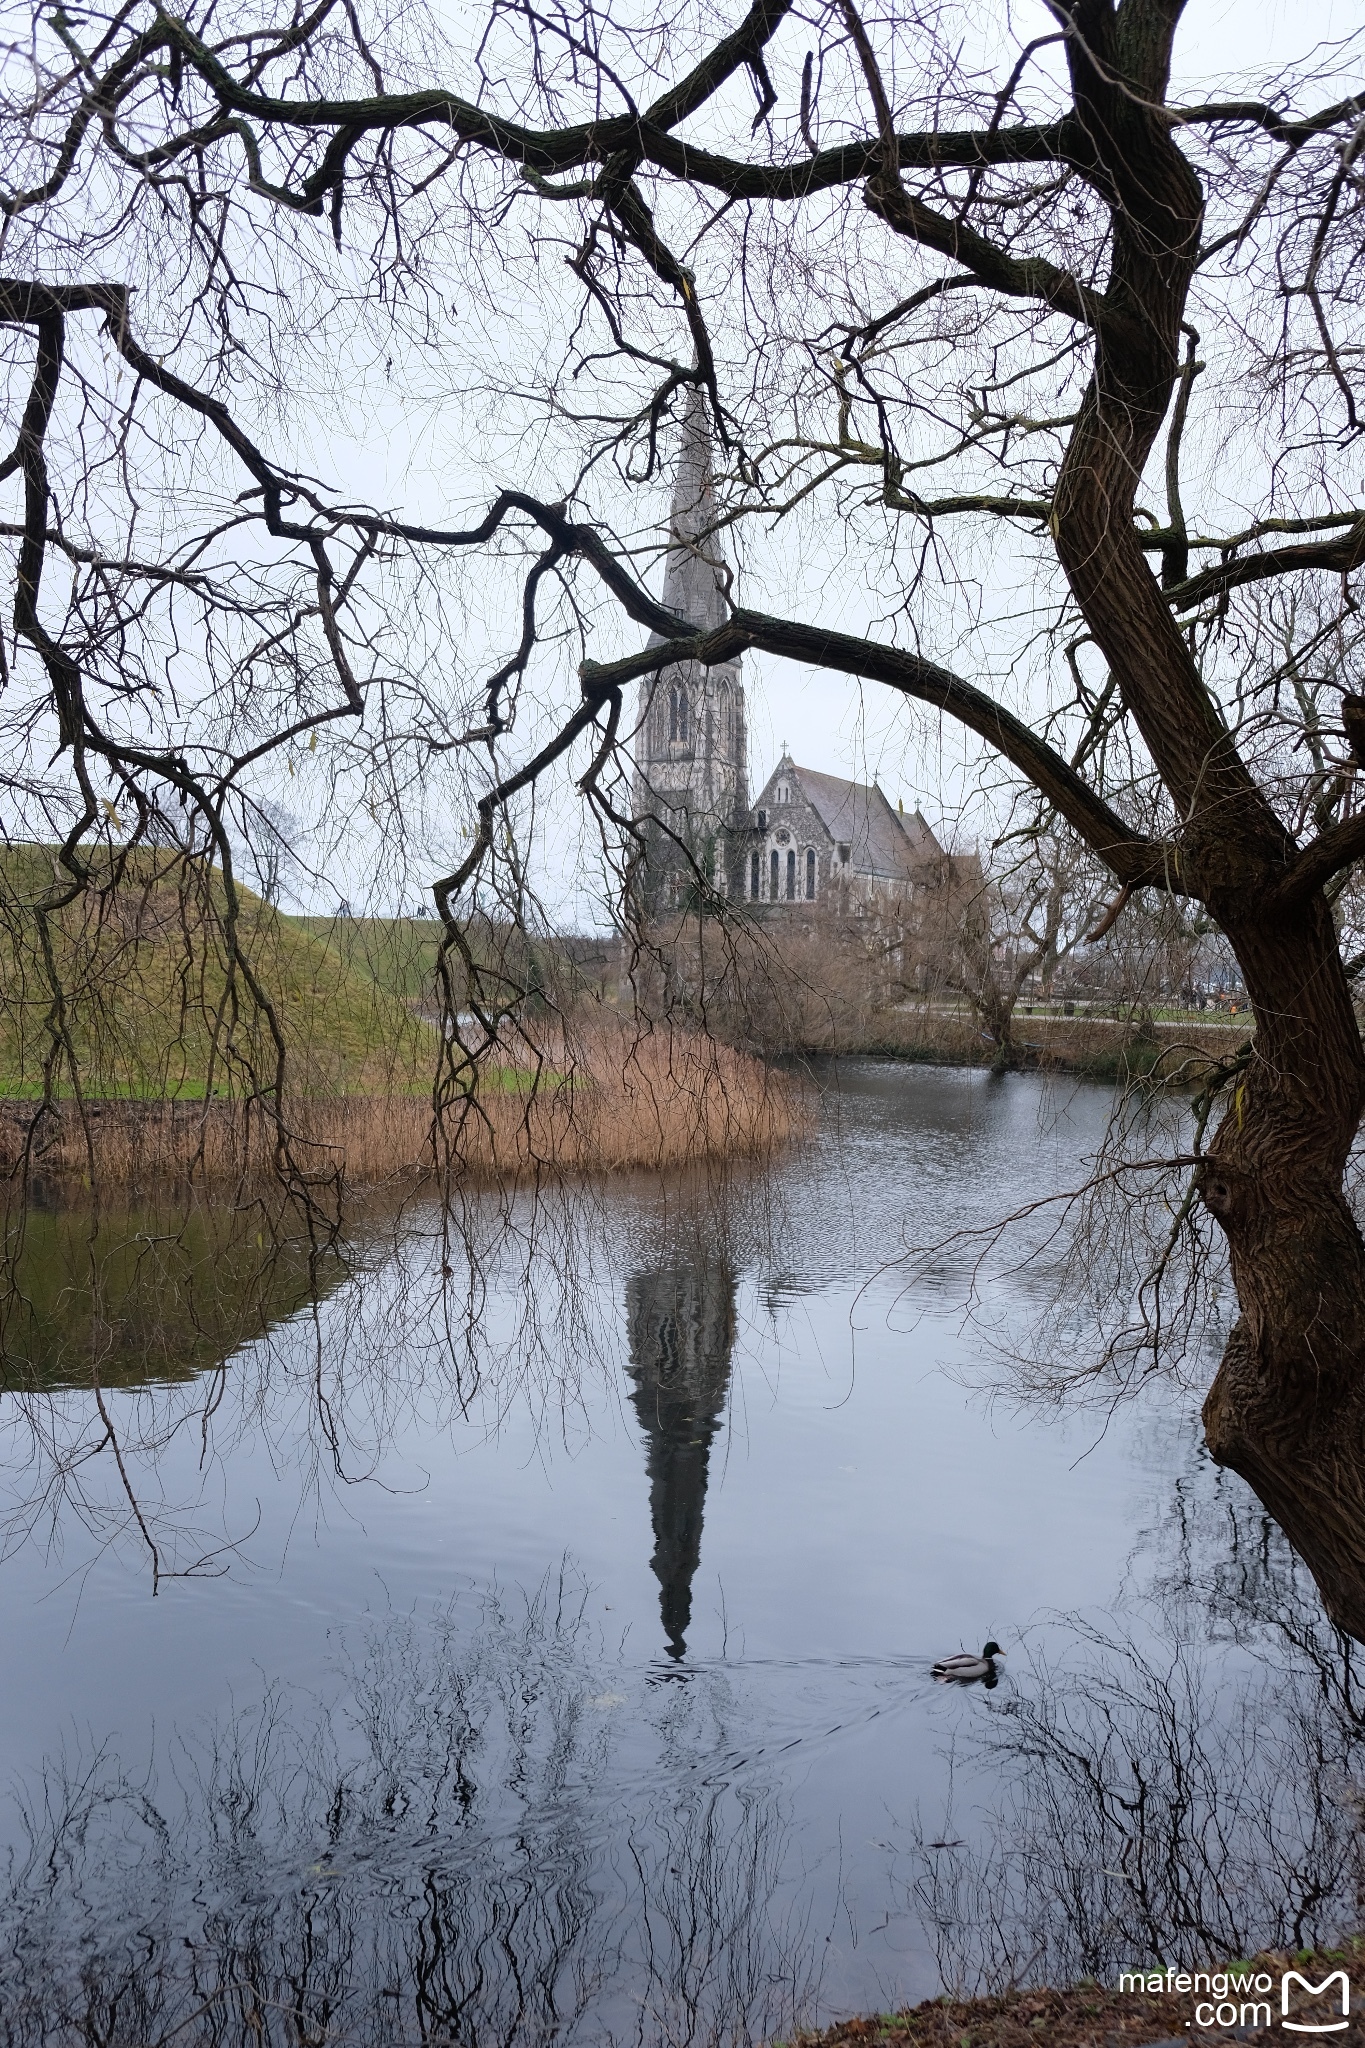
point(1093, 1048)
point(1092, 2015)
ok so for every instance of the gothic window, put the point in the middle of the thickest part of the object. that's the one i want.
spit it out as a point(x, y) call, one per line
point(754, 877)
point(810, 874)
point(772, 892)
point(791, 874)
point(678, 712)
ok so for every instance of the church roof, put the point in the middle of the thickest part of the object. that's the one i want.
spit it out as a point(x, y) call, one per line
point(696, 572)
point(859, 814)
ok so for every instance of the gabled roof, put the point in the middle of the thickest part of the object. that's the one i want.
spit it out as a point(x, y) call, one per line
point(859, 815)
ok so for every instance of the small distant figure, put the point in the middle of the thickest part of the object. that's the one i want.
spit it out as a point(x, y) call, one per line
point(964, 1669)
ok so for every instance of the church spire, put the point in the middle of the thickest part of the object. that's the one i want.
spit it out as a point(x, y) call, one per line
point(691, 750)
point(696, 574)
point(681, 1326)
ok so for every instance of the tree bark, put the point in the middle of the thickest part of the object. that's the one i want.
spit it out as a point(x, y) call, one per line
point(1287, 1408)
point(996, 1010)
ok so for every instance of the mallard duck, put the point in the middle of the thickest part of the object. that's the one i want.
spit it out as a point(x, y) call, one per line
point(965, 1668)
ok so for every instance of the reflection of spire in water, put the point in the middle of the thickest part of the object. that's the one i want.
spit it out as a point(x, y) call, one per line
point(681, 1324)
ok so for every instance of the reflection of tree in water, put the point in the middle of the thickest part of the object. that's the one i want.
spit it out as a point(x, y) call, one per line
point(463, 1849)
point(681, 1325)
point(158, 1291)
point(1221, 1566)
point(1189, 1787)
point(158, 1299)
point(223, 1318)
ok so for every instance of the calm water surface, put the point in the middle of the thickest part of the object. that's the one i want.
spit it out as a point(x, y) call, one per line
point(541, 1641)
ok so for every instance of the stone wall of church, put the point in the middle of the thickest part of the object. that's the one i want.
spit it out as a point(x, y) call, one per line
point(691, 782)
point(789, 857)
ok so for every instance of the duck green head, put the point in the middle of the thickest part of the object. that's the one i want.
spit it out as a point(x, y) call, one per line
point(992, 1649)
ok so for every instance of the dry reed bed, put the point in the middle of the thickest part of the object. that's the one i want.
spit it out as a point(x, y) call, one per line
point(600, 1103)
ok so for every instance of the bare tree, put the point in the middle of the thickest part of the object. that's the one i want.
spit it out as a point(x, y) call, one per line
point(949, 298)
point(1016, 925)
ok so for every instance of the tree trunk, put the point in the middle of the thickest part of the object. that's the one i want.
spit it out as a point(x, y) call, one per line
point(1287, 1408)
point(996, 1010)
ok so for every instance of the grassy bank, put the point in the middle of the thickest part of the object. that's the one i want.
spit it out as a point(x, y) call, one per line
point(398, 954)
point(1091, 2015)
point(140, 987)
point(1105, 1048)
point(138, 1045)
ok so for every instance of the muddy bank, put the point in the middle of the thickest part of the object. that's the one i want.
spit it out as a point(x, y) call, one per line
point(1091, 2015)
point(1102, 1048)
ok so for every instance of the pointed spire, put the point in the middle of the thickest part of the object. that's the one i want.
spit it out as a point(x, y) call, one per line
point(694, 577)
point(681, 1327)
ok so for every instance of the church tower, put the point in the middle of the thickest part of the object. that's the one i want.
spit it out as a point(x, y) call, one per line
point(691, 748)
point(681, 1325)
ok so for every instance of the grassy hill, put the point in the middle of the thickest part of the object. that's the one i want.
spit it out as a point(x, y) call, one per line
point(147, 1004)
point(398, 954)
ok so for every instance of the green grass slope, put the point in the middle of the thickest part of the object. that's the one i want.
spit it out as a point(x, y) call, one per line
point(397, 953)
point(139, 991)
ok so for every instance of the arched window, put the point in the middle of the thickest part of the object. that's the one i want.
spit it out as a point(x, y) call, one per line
point(754, 877)
point(772, 891)
point(682, 713)
point(673, 712)
point(791, 874)
point(810, 874)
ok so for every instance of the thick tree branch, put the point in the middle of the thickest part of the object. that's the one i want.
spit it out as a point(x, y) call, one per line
point(731, 54)
point(1337, 556)
point(1135, 859)
point(1030, 277)
point(1273, 121)
point(1336, 848)
point(550, 150)
point(849, 163)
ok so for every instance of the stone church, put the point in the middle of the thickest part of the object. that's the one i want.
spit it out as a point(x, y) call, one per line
point(809, 840)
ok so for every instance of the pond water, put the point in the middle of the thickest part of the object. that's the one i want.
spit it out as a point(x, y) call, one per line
point(521, 1629)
